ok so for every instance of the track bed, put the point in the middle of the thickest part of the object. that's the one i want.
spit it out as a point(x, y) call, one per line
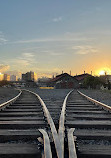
point(92, 127)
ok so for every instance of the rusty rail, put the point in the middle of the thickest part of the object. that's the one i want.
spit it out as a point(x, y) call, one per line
point(61, 122)
point(71, 144)
point(57, 137)
point(52, 126)
point(3, 105)
point(47, 147)
point(104, 106)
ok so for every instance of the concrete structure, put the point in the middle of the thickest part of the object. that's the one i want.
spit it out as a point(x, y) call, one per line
point(29, 76)
point(6, 77)
point(31, 84)
point(17, 84)
point(63, 81)
point(42, 82)
point(20, 84)
point(1, 77)
point(13, 78)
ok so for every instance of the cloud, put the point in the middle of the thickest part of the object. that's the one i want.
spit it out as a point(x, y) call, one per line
point(31, 49)
point(22, 61)
point(35, 41)
point(25, 59)
point(57, 19)
point(84, 49)
point(55, 54)
point(3, 40)
point(60, 39)
point(49, 73)
point(45, 51)
point(4, 68)
point(66, 37)
point(52, 53)
point(28, 55)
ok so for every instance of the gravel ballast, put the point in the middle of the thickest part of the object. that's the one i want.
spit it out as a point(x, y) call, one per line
point(7, 94)
point(99, 95)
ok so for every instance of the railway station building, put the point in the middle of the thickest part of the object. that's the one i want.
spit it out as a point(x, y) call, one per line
point(80, 78)
point(63, 81)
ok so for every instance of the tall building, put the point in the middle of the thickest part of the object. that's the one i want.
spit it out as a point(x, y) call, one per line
point(35, 76)
point(6, 77)
point(1, 76)
point(13, 78)
point(29, 76)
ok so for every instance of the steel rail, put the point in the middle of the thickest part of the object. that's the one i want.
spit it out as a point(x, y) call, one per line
point(62, 120)
point(104, 106)
point(3, 105)
point(47, 147)
point(55, 136)
point(71, 144)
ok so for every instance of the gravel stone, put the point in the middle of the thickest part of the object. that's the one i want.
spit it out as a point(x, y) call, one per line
point(7, 94)
point(99, 95)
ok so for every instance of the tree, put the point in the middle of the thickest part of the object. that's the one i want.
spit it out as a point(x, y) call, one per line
point(92, 82)
point(3, 83)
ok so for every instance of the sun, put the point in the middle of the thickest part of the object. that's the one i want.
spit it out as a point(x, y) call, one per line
point(102, 72)
point(0, 73)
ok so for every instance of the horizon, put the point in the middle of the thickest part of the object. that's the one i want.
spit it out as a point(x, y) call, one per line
point(49, 37)
point(101, 73)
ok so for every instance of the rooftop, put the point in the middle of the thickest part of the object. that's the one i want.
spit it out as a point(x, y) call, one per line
point(82, 76)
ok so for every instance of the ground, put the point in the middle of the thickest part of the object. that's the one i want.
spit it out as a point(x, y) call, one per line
point(6, 94)
point(57, 94)
point(99, 95)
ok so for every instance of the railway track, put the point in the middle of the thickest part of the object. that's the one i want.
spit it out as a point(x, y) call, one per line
point(26, 118)
point(19, 124)
point(92, 126)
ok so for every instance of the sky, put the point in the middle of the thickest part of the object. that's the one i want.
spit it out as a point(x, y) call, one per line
point(51, 36)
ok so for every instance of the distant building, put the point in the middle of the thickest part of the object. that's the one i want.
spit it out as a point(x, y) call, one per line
point(29, 76)
point(35, 76)
point(21, 84)
point(80, 78)
point(42, 82)
point(6, 77)
point(19, 79)
point(105, 78)
point(63, 81)
point(17, 84)
point(1, 77)
point(31, 84)
point(13, 78)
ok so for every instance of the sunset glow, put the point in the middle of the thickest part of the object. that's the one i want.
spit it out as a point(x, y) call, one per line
point(103, 71)
point(48, 37)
